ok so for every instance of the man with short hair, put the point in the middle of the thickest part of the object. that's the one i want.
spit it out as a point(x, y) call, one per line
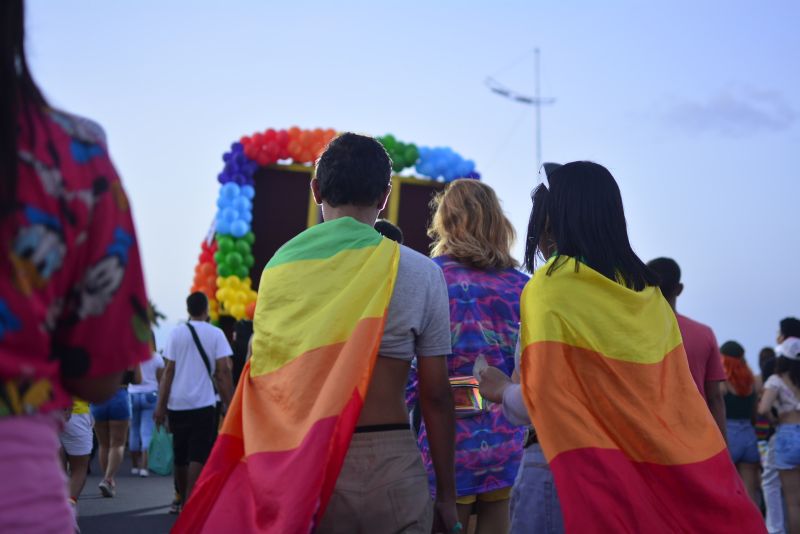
point(318, 437)
point(699, 342)
point(198, 364)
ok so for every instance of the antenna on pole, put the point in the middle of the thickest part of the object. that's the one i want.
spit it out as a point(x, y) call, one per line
point(537, 101)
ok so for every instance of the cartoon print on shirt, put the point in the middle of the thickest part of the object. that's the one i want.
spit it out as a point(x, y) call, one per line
point(38, 250)
point(104, 277)
point(53, 183)
point(8, 321)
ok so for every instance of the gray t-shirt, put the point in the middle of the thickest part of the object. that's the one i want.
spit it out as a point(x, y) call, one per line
point(419, 312)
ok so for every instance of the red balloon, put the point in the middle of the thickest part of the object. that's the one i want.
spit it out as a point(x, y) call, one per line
point(250, 310)
point(270, 135)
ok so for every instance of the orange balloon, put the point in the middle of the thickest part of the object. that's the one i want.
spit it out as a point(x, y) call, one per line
point(250, 310)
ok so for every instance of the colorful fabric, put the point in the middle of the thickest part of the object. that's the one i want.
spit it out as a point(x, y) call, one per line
point(318, 324)
point(79, 406)
point(69, 268)
point(630, 441)
point(484, 319)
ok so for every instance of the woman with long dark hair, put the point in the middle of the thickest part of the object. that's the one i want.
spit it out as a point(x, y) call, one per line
point(782, 392)
point(629, 439)
point(73, 310)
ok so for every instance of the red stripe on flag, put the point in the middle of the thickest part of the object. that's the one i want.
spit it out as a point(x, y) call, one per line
point(279, 492)
point(602, 491)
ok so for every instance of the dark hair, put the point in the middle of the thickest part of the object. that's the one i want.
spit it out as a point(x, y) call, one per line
point(790, 327)
point(582, 214)
point(669, 275)
point(197, 304)
point(792, 367)
point(732, 348)
point(353, 169)
point(766, 362)
point(387, 229)
point(18, 93)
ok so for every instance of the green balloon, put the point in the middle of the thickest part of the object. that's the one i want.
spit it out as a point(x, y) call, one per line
point(411, 155)
point(224, 244)
point(249, 260)
point(242, 272)
point(242, 247)
point(223, 270)
point(218, 257)
point(234, 260)
point(388, 141)
point(250, 237)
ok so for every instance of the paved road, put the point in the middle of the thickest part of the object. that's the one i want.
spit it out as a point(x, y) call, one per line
point(140, 506)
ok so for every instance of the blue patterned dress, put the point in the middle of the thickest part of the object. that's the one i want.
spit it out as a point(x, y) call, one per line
point(484, 319)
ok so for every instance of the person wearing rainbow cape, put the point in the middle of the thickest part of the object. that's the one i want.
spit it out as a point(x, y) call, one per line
point(605, 380)
point(317, 438)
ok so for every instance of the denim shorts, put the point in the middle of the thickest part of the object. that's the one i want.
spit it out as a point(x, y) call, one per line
point(117, 408)
point(787, 446)
point(534, 501)
point(742, 443)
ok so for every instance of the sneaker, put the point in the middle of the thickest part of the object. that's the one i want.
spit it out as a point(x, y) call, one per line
point(136, 471)
point(144, 473)
point(107, 488)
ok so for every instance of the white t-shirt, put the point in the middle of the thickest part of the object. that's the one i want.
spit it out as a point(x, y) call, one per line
point(191, 386)
point(149, 380)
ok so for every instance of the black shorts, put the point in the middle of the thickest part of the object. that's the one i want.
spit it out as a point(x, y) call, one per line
point(193, 434)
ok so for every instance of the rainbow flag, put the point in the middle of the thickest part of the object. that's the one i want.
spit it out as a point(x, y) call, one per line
point(630, 440)
point(322, 304)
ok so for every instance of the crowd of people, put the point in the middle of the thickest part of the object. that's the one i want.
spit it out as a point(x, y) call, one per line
point(377, 389)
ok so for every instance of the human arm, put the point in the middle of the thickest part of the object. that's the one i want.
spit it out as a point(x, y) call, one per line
point(137, 374)
point(164, 389)
point(438, 411)
point(767, 400)
point(716, 404)
point(496, 387)
point(224, 380)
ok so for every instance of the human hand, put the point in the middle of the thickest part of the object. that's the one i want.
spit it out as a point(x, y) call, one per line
point(159, 415)
point(493, 382)
point(445, 517)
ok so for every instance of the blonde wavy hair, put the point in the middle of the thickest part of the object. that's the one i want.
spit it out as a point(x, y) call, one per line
point(469, 225)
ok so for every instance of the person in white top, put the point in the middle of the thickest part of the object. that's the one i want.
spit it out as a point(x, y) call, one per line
point(782, 392)
point(143, 404)
point(198, 364)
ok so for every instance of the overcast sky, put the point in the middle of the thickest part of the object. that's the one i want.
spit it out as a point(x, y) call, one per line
point(693, 106)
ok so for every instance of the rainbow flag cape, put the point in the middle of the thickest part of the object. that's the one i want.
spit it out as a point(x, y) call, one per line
point(322, 304)
point(630, 440)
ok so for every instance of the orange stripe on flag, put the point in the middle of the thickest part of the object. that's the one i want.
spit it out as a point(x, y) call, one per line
point(648, 411)
point(276, 414)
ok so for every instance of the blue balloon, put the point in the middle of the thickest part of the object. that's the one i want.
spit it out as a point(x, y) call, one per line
point(246, 216)
point(248, 192)
point(240, 203)
point(230, 190)
point(239, 228)
point(229, 214)
point(223, 227)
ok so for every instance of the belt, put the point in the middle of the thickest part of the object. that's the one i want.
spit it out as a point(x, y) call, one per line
point(530, 438)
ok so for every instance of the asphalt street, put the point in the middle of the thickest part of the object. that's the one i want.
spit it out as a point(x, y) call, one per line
point(141, 505)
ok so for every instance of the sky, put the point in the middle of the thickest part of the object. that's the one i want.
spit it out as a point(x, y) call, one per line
point(693, 107)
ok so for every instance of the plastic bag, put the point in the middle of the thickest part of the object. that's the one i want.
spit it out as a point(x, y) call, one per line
point(160, 456)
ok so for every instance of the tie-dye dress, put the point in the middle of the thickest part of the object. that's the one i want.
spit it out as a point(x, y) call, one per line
point(484, 319)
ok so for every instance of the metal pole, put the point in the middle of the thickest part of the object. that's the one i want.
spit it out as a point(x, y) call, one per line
point(538, 114)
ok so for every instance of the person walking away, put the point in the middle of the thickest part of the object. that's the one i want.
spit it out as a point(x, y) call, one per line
point(740, 407)
point(699, 342)
point(472, 241)
point(198, 363)
point(318, 437)
point(69, 273)
point(143, 403)
point(782, 392)
point(111, 421)
point(605, 379)
point(76, 448)
point(765, 433)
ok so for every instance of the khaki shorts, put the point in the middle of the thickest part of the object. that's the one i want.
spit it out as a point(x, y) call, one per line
point(382, 488)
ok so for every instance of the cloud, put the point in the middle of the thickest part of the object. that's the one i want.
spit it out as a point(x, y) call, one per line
point(736, 111)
